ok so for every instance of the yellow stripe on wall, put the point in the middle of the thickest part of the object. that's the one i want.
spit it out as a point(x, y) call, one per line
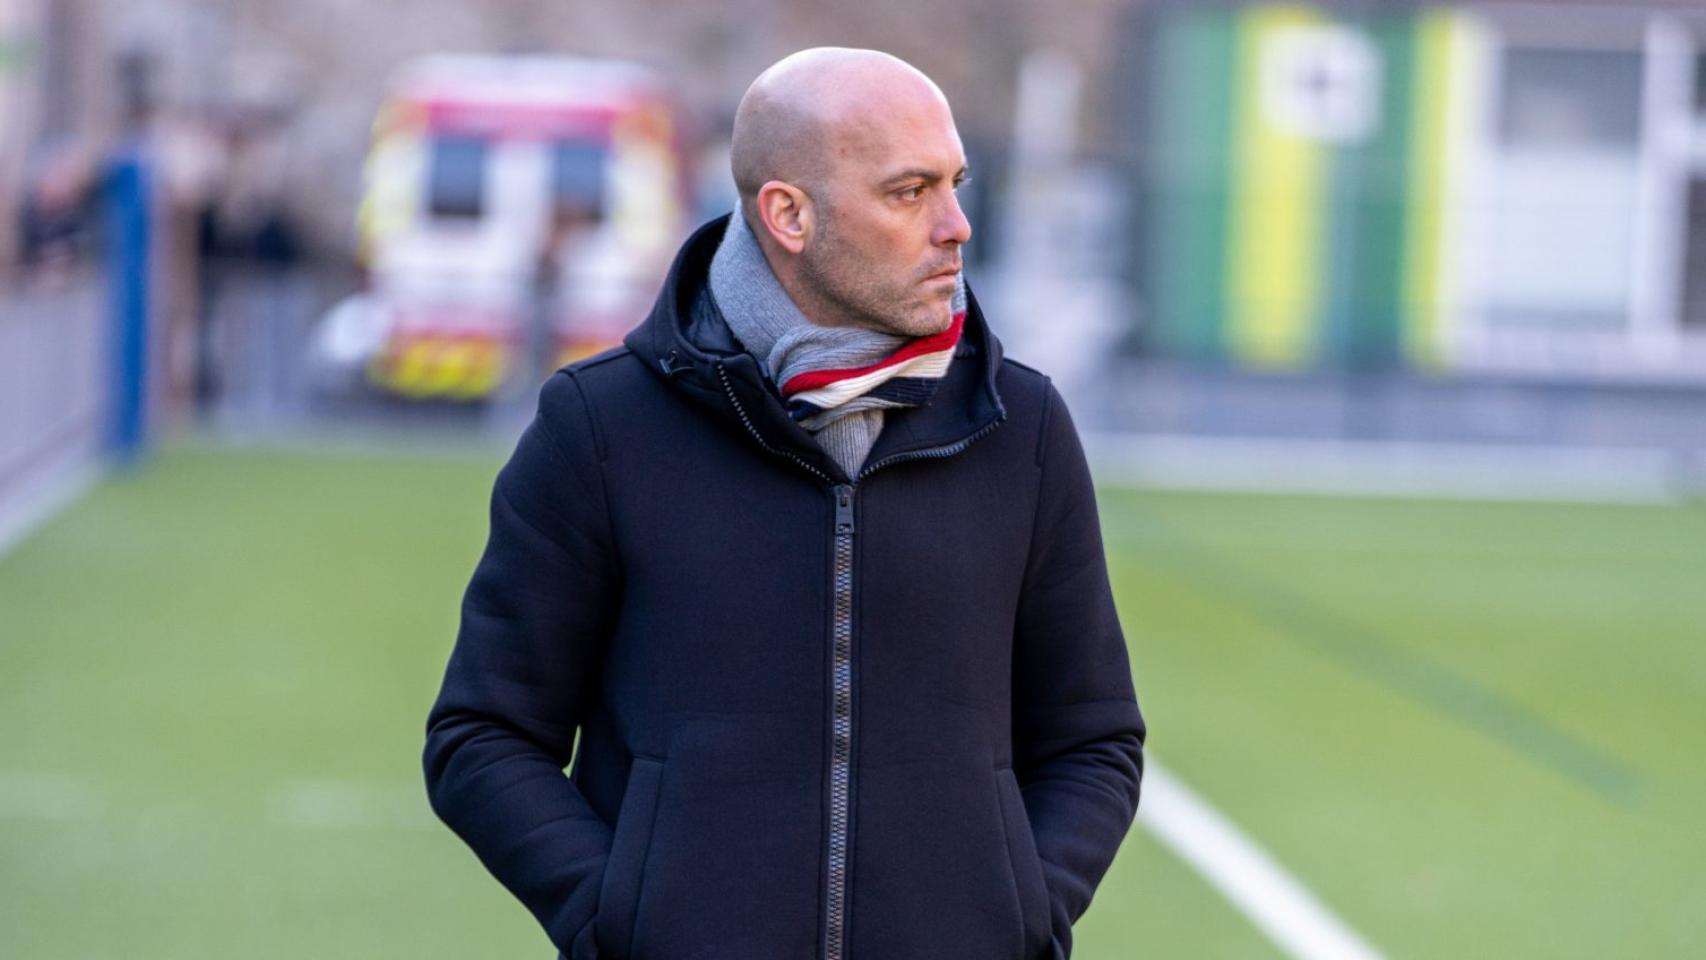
point(1277, 212)
point(1424, 299)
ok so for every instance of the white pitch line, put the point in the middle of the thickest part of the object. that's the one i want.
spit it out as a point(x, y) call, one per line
point(29, 795)
point(1434, 471)
point(35, 507)
point(1244, 873)
point(342, 804)
point(329, 804)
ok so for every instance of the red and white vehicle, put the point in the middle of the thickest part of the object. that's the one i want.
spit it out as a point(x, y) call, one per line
point(518, 213)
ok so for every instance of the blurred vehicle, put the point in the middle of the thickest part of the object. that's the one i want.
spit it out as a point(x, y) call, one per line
point(518, 213)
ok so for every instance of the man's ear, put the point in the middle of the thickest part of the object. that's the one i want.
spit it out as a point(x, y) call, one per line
point(785, 212)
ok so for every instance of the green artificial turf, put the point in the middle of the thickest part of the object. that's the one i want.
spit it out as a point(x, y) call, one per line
point(1471, 729)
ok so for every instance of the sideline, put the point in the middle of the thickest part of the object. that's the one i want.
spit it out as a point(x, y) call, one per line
point(56, 797)
point(1280, 906)
point(36, 506)
point(1404, 469)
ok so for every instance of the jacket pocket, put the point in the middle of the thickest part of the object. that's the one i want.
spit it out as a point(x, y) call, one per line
point(1028, 878)
point(619, 892)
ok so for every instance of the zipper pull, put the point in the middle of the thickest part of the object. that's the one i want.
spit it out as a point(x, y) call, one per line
point(843, 509)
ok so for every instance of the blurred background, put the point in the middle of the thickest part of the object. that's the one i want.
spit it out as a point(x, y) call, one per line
point(1384, 324)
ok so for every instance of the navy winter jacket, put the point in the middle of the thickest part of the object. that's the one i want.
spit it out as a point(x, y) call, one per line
point(820, 717)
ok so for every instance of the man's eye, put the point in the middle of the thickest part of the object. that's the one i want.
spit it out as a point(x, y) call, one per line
point(912, 193)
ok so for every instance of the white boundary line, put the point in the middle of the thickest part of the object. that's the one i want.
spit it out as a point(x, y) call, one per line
point(1397, 469)
point(335, 804)
point(1244, 873)
point(315, 804)
point(42, 502)
point(29, 795)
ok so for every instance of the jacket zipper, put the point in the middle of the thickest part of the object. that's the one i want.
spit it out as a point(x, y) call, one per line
point(734, 401)
point(948, 450)
point(841, 725)
point(841, 662)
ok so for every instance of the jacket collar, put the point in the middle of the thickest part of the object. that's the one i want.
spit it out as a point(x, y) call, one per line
point(686, 343)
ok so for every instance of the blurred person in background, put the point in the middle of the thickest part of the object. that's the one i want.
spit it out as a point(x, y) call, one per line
point(815, 576)
point(245, 247)
point(58, 214)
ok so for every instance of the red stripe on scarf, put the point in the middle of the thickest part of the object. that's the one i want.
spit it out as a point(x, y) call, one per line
point(813, 379)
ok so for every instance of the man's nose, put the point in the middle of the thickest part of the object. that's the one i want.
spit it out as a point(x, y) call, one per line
point(952, 227)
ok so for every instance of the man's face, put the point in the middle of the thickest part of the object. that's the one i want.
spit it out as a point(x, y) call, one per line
point(885, 248)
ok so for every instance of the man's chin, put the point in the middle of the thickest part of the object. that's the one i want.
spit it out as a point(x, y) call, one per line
point(933, 324)
point(932, 316)
point(937, 314)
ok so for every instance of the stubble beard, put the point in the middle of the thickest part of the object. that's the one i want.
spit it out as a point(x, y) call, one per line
point(858, 296)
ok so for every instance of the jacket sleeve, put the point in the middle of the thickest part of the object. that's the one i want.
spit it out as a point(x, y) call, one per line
point(1077, 731)
point(535, 617)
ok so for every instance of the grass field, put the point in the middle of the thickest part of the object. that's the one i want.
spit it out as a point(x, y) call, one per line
point(1473, 730)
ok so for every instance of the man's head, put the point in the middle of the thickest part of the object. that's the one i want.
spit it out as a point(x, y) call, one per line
point(847, 162)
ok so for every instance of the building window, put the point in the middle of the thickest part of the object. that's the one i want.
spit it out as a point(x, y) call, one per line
point(1562, 99)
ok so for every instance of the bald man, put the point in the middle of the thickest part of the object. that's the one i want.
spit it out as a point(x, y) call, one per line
point(804, 583)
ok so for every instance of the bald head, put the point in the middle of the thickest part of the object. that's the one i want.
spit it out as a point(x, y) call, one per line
point(847, 163)
point(816, 106)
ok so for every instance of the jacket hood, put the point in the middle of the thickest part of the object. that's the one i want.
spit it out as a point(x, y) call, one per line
point(686, 343)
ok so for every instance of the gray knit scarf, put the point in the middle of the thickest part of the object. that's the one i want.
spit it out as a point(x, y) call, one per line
point(787, 344)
